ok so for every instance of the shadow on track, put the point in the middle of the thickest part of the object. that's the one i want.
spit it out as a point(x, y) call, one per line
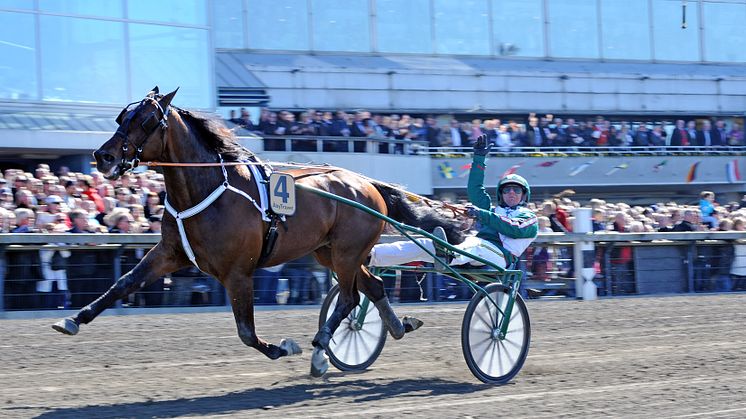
point(271, 399)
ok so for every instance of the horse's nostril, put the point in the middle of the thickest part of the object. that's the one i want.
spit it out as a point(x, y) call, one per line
point(107, 157)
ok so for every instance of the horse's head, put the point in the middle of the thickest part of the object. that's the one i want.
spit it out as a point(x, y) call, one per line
point(140, 136)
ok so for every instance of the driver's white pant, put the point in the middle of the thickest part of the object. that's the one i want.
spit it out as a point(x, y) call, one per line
point(401, 252)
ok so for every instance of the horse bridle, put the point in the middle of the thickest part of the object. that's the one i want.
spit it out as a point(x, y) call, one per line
point(149, 125)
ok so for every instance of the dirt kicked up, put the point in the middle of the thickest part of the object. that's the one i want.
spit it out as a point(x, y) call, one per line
point(681, 356)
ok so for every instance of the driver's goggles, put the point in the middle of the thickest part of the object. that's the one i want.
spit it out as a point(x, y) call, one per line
point(510, 188)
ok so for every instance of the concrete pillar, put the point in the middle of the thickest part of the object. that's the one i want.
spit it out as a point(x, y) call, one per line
point(584, 256)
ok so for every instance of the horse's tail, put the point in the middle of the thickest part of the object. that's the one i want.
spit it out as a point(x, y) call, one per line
point(402, 209)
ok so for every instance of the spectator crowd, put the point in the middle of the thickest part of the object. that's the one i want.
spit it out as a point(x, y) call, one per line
point(535, 131)
point(716, 268)
point(88, 203)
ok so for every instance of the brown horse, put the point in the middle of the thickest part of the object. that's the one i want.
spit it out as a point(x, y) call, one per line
point(226, 236)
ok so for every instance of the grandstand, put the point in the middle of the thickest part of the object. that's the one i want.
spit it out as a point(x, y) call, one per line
point(510, 60)
point(572, 100)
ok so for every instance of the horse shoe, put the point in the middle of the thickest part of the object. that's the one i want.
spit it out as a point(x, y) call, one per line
point(319, 362)
point(66, 326)
point(290, 347)
point(411, 323)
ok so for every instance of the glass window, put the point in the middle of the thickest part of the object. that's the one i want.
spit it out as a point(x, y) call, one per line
point(461, 27)
point(227, 23)
point(17, 4)
point(341, 25)
point(671, 42)
point(573, 28)
point(278, 24)
point(18, 49)
point(82, 60)
point(108, 8)
point(518, 27)
point(724, 31)
point(403, 26)
point(190, 12)
point(172, 57)
point(626, 29)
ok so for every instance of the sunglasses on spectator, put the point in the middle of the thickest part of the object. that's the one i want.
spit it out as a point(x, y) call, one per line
point(515, 189)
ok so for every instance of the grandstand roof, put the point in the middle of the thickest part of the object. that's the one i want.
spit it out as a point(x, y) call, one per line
point(30, 121)
point(228, 66)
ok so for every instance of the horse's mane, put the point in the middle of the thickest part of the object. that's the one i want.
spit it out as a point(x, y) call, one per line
point(215, 135)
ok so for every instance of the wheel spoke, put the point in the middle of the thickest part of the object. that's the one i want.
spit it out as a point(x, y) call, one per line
point(349, 340)
point(373, 335)
point(484, 353)
point(518, 344)
point(507, 353)
point(491, 359)
point(356, 352)
point(371, 308)
point(364, 345)
point(480, 317)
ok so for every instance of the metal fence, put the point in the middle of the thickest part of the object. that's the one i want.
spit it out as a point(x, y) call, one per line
point(56, 271)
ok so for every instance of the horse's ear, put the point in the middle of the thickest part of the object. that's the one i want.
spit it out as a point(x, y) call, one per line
point(154, 91)
point(166, 100)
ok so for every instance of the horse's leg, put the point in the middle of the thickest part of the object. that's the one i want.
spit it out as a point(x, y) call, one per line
point(157, 262)
point(346, 302)
point(372, 286)
point(241, 291)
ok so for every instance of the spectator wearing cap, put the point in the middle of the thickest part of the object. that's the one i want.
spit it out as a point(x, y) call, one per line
point(6, 199)
point(54, 210)
point(20, 183)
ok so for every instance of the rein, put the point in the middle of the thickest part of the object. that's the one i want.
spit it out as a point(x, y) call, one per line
point(457, 210)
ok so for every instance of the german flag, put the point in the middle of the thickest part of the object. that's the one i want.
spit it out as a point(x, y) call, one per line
point(692, 175)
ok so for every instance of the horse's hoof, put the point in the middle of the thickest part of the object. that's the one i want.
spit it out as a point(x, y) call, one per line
point(66, 326)
point(411, 324)
point(319, 362)
point(290, 347)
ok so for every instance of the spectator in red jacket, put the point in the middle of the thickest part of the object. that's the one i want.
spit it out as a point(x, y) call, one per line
point(90, 192)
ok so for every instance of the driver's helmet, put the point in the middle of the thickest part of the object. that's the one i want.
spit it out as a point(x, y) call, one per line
point(515, 180)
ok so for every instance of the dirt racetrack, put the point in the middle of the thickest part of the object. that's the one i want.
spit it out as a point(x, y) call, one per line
point(679, 356)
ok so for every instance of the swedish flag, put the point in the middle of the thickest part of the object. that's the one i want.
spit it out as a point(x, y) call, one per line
point(446, 170)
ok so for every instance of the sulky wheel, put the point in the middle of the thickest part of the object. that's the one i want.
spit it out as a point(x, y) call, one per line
point(353, 347)
point(491, 358)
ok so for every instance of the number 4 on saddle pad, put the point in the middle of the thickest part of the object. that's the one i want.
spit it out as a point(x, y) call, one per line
point(282, 193)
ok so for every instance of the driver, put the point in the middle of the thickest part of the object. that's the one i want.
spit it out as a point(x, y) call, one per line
point(503, 232)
